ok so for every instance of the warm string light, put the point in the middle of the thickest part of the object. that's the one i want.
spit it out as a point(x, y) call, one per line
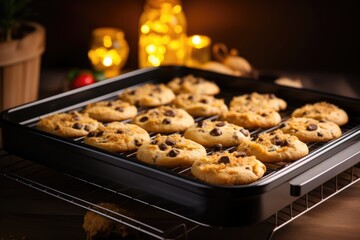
point(109, 51)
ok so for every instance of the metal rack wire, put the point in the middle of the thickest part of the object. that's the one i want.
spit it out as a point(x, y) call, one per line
point(149, 221)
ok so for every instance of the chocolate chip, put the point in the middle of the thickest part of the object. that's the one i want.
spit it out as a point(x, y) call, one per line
point(119, 131)
point(224, 160)
point(247, 168)
point(190, 97)
point(144, 119)
point(311, 127)
point(120, 109)
point(173, 153)
point(137, 143)
point(109, 104)
point(154, 142)
point(166, 121)
point(99, 133)
point(132, 92)
point(322, 121)
point(248, 97)
point(320, 134)
point(240, 154)
point(244, 132)
point(162, 147)
point(203, 101)
point(77, 126)
point(215, 132)
point(87, 128)
point(220, 124)
point(277, 141)
point(284, 143)
point(201, 124)
point(263, 114)
point(170, 142)
point(91, 134)
point(169, 113)
point(218, 147)
point(304, 113)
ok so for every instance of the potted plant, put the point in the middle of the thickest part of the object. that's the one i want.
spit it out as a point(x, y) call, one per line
point(21, 46)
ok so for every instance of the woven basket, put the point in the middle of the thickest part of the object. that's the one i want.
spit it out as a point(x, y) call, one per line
point(20, 62)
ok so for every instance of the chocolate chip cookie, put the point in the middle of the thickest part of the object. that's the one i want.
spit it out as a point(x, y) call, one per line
point(275, 146)
point(148, 95)
point(311, 130)
point(164, 119)
point(258, 100)
point(200, 105)
point(322, 111)
point(73, 124)
point(118, 137)
point(109, 111)
point(194, 85)
point(228, 168)
point(170, 151)
point(211, 133)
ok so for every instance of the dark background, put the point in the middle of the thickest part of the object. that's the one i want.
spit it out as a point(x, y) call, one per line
point(320, 36)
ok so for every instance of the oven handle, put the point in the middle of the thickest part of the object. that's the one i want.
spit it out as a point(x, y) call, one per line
point(324, 171)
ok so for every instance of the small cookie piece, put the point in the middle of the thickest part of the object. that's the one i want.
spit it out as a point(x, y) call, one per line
point(194, 85)
point(322, 111)
point(258, 100)
point(118, 137)
point(164, 119)
point(97, 226)
point(109, 111)
point(311, 130)
point(275, 146)
point(209, 133)
point(228, 168)
point(200, 105)
point(73, 124)
point(148, 95)
point(252, 117)
point(170, 151)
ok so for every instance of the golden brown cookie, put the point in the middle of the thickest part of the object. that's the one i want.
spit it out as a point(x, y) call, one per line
point(252, 117)
point(118, 137)
point(194, 85)
point(148, 95)
point(322, 111)
point(97, 226)
point(210, 133)
point(258, 100)
point(200, 105)
point(73, 124)
point(109, 111)
point(170, 151)
point(275, 146)
point(228, 168)
point(164, 119)
point(311, 130)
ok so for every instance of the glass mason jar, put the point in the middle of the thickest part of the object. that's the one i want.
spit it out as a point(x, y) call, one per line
point(162, 34)
point(108, 51)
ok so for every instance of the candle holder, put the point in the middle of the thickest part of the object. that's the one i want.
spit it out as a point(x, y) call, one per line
point(198, 50)
point(109, 50)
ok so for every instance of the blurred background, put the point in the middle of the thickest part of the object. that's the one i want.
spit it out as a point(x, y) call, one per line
point(321, 36)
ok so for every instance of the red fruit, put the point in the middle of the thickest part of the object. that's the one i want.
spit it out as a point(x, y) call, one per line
point(81, 80)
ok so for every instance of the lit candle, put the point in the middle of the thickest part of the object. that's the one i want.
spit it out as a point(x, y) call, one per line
point(109, 50)
point(198, 50)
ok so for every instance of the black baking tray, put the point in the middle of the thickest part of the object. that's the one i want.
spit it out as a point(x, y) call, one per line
point(170, 189)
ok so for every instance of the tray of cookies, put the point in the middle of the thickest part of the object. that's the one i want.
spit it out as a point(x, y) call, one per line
point(217, 149)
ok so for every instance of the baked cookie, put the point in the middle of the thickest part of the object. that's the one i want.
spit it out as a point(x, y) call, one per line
point(118, 137)
point(73, 124)
point(258, 100)
point(164, 119)
point(194, 85)
point(97, 226)
point(311, 130)
point(210, 133)
point(322, 111)
point(228, 168)
point(200, 105)
point(109, 111)
point(148, 95)
point(252, 117)
point(170, 151)
point(275, 146)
